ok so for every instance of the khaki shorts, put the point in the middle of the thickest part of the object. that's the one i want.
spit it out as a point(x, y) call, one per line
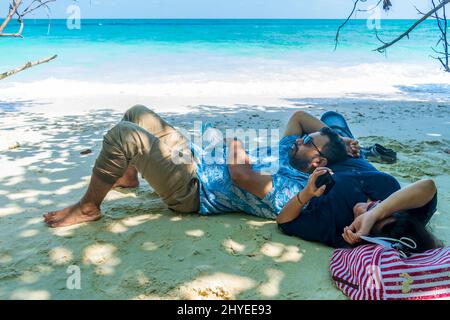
point(146, 141)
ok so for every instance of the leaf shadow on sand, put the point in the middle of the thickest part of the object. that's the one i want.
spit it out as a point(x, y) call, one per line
point(433, 91)
point(18, 105)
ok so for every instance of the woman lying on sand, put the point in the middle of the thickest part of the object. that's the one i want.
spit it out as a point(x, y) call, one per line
point(339, 215)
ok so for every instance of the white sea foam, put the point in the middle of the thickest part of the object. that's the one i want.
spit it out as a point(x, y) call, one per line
point(387, 80)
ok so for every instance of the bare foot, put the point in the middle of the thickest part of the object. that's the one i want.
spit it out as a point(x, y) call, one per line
point(73, 215)
point(127, 182)
point(55, 215)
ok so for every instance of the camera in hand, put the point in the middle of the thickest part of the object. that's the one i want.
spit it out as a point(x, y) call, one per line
point(325, 179)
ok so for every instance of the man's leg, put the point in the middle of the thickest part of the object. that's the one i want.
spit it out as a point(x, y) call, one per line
point(127, 144)
point(129, 179)
point(153, 123)
point(338, 123)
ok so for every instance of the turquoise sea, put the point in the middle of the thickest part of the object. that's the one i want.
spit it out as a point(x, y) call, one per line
point(127, 50)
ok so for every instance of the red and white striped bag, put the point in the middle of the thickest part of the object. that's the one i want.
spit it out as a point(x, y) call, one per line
point(374, 272)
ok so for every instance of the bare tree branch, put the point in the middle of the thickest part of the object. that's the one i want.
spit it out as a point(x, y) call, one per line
point(18, 34)
point(336, 40)
point(378, 37)
point(418, 22)
point(434, 13)
point(418, 11)
point(26, 66)
point(442, 24)
point(41, 4)
point(443, 27)
point(386, 6)
point(12, 11)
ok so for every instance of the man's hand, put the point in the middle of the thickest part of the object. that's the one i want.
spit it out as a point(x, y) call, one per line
point(311, 189)
point(361, 226)
point(353, 147)
point(236, 153)
point(242, 173)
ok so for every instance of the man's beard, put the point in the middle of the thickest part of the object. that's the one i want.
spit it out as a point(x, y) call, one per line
point(300, 163)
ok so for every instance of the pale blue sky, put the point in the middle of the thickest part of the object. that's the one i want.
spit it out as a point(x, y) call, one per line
point(313, 9)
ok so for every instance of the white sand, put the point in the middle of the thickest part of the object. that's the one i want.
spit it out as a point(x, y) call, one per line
point(140, 250)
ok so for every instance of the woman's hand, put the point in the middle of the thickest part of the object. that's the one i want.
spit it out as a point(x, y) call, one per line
point(361, 226)
point(311, 189)
point(352, 146)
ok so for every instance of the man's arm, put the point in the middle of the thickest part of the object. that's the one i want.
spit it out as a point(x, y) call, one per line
point(302, 123)
point(242, 173)
point(294, 207)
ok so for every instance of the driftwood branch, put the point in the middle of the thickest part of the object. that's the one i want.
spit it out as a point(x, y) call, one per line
point(417, 23)
point(26, 66)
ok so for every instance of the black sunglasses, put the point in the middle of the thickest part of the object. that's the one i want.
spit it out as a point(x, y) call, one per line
point(308, 139)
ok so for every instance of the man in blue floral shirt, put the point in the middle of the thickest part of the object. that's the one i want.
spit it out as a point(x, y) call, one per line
point(143, 142)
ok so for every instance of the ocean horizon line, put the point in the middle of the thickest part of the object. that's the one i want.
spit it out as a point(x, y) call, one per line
point(229, 19)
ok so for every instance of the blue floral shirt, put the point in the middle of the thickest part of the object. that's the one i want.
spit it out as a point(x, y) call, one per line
point(218, 194)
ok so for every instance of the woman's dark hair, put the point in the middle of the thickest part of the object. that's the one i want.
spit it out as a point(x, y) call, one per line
point(335, 151)
point(405, 225)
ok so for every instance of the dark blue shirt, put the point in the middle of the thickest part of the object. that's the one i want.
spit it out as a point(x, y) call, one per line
point(324, 218)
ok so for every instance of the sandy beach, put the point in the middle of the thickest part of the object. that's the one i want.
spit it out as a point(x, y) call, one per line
point(141, 250)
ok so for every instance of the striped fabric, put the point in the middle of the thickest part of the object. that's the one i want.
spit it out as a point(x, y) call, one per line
point(374, 272)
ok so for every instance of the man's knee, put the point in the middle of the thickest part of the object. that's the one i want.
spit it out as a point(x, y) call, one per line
point(123, 127)
point(135, 112)
point(124, 132)
point(120, 146)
